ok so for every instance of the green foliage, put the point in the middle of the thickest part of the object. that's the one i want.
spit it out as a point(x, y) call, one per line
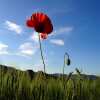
point(17, 85)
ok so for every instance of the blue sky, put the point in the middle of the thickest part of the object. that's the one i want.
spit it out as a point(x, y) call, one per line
point(76, 31)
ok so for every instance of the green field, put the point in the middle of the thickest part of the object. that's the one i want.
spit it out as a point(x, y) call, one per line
point(29, 85)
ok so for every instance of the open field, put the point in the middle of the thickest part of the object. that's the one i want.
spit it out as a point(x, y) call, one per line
point(29, 85)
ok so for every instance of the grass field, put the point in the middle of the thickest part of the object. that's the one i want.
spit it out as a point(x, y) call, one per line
point(29, 85)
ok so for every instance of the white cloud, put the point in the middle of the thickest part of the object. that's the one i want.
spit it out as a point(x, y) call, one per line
point(13, 27)
point(22, 55)
point(3, 49)
point(35, 37)
point(62, 30)
point(27, 49)
point(57, 42)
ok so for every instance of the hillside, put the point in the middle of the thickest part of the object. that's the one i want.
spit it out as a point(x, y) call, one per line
point(29, 85)
point(32, 74)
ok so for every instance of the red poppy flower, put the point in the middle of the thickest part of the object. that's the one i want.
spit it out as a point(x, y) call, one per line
point(40, 22)
point(43, 35)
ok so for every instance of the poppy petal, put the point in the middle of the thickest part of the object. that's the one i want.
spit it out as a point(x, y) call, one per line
point(29, 23)
point(40, 22)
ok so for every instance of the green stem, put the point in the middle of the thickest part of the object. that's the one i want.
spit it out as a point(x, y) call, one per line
point(66, 54)
point(41, 52)
point(63, 68)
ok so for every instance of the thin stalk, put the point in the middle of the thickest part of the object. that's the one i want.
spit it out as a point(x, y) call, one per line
point(41, 52)
point(66, 54)
point(63, 66)
point(63, 72)
point(74, 95)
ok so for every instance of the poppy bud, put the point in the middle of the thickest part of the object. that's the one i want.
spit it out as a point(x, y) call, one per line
point(68, 61)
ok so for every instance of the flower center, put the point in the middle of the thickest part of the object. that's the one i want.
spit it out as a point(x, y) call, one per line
point(40, 27)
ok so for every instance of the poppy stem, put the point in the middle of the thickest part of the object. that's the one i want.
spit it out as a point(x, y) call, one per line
point(65, 55)
point(41, 52)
